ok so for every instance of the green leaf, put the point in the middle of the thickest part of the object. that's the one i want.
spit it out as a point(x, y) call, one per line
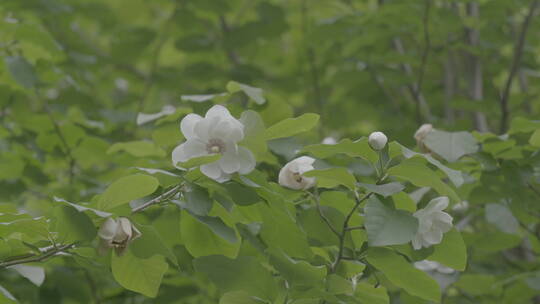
point(451, 145)
point(256, 94)
point(126, 189)
point(367, 293)
point(535, 138)
point(387, 226)
point(402, 274)
point(333, 177)
point(21, 71)
point(201, 240)
point(73, 226)
point(197, 200)
point(296, 272)
point(242, 195)
point(238, 297)
point(254, 133)
point(416, 172)
point(292, 126)
point(478, 284)
point(521, 124)
point(501, 216)
point(383, 190)
point(138, 149)
point(338, 285)
point(198, 161)
point(139, 275)
point(359, 148)
point(34, 274)
point(241, 274)
point(451, 251)
point(149, 244)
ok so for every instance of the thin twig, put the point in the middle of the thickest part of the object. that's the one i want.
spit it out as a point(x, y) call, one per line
point(158, 199)
point(39, 258)
point(516, 60)
point(321, 214)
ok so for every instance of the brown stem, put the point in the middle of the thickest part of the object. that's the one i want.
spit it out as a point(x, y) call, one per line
point(158, 199)
point(516, 60)
point(39, 258)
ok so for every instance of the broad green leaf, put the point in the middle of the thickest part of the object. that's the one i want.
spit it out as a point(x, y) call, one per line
point(296, 272)
point(254, 133)
point(350, 269)
point(219, 227)
point(358, 148)
point(501, 216)
point(198, 161)
point(403, 274)
point(241, 274)
point(139, 275)
point(333, 177)
point(255, 94)
point(521, 124)
point(242, 195)
point(138, 148)
point(414, 171)
point(338, 285)
point(367, 293)
point(383, 190)
point(451, 145)
point(126, 189)
point(21, 71)
point(292, 126)
point(73, 226)
point(403, 201)
point(149, 244)
point(386, 226)
point(197, 200)
point(238, 297)
point(201, 240)
point(451, 251)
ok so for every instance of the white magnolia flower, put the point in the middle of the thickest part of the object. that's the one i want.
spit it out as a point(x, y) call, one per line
point(421, 135)
point(432, 266)
point(117, 234)
point(218, 132)
point(377, 140)
point(291, 176)
point(432, 223)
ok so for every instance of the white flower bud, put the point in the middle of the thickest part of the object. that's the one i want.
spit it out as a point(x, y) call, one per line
point(377, 141)
point(291, 175)
point(421, 135)
point(117, 234)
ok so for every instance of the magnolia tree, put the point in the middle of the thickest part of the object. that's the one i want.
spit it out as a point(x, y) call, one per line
point(236, 213)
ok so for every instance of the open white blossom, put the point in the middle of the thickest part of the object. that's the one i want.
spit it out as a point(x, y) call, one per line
point(433, 222)
point(377, 140)
point(218, 132)
point(117, 234)
point(291, 175)
point(421, 135)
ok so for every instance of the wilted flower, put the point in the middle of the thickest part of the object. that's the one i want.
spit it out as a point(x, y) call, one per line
point(432, 223)
point(291, 175)
point(117, 234)
point(377, 141)
point(421, 135)
point(216, 133)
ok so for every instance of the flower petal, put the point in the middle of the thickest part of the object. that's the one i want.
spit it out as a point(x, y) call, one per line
point(434, 236)
point(229, 130)
point(212, 170)
point(204, 127)
point(108, 229)
point(229, 162)
point(247, 160)
point(187, 125)
point(438, 204)
point(218, 111)
point(190, 149)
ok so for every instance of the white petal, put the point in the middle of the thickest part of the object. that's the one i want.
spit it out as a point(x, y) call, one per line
point(108, 229)
point(204, 127)
point(247, 160)
point(417, 242)
point(212, 170)
point(438, 204)
point(218, 111)
point(125, 227)
point(433, 237)
point(190, 149)
point(187, 125)
point(228, 130)
point(229, 162)
point(308, 182)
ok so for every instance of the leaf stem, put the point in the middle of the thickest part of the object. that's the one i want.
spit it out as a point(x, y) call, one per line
point(174, 190)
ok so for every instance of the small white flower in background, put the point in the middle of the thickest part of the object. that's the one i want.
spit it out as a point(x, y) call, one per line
point(433, 222)
point(291, 175)
point(117, 234)
point(432, 266)
point(329, 141)
point(216, 133)
point(421, 135)
point(377, 141)
point(461, 206)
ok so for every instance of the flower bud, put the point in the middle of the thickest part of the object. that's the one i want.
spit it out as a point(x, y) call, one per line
point(377, 141)
point(421, 135)
point(291, 175)
point(117, 234)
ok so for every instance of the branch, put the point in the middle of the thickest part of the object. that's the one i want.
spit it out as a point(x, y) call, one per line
point(158, 199)
point(325, 219)
point(516, 60)
point(39, 258)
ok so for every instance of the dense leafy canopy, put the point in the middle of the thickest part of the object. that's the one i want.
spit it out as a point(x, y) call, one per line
point(93, 210)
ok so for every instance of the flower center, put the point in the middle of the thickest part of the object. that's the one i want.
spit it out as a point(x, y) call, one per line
point(297, 177)
point(215, 146)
